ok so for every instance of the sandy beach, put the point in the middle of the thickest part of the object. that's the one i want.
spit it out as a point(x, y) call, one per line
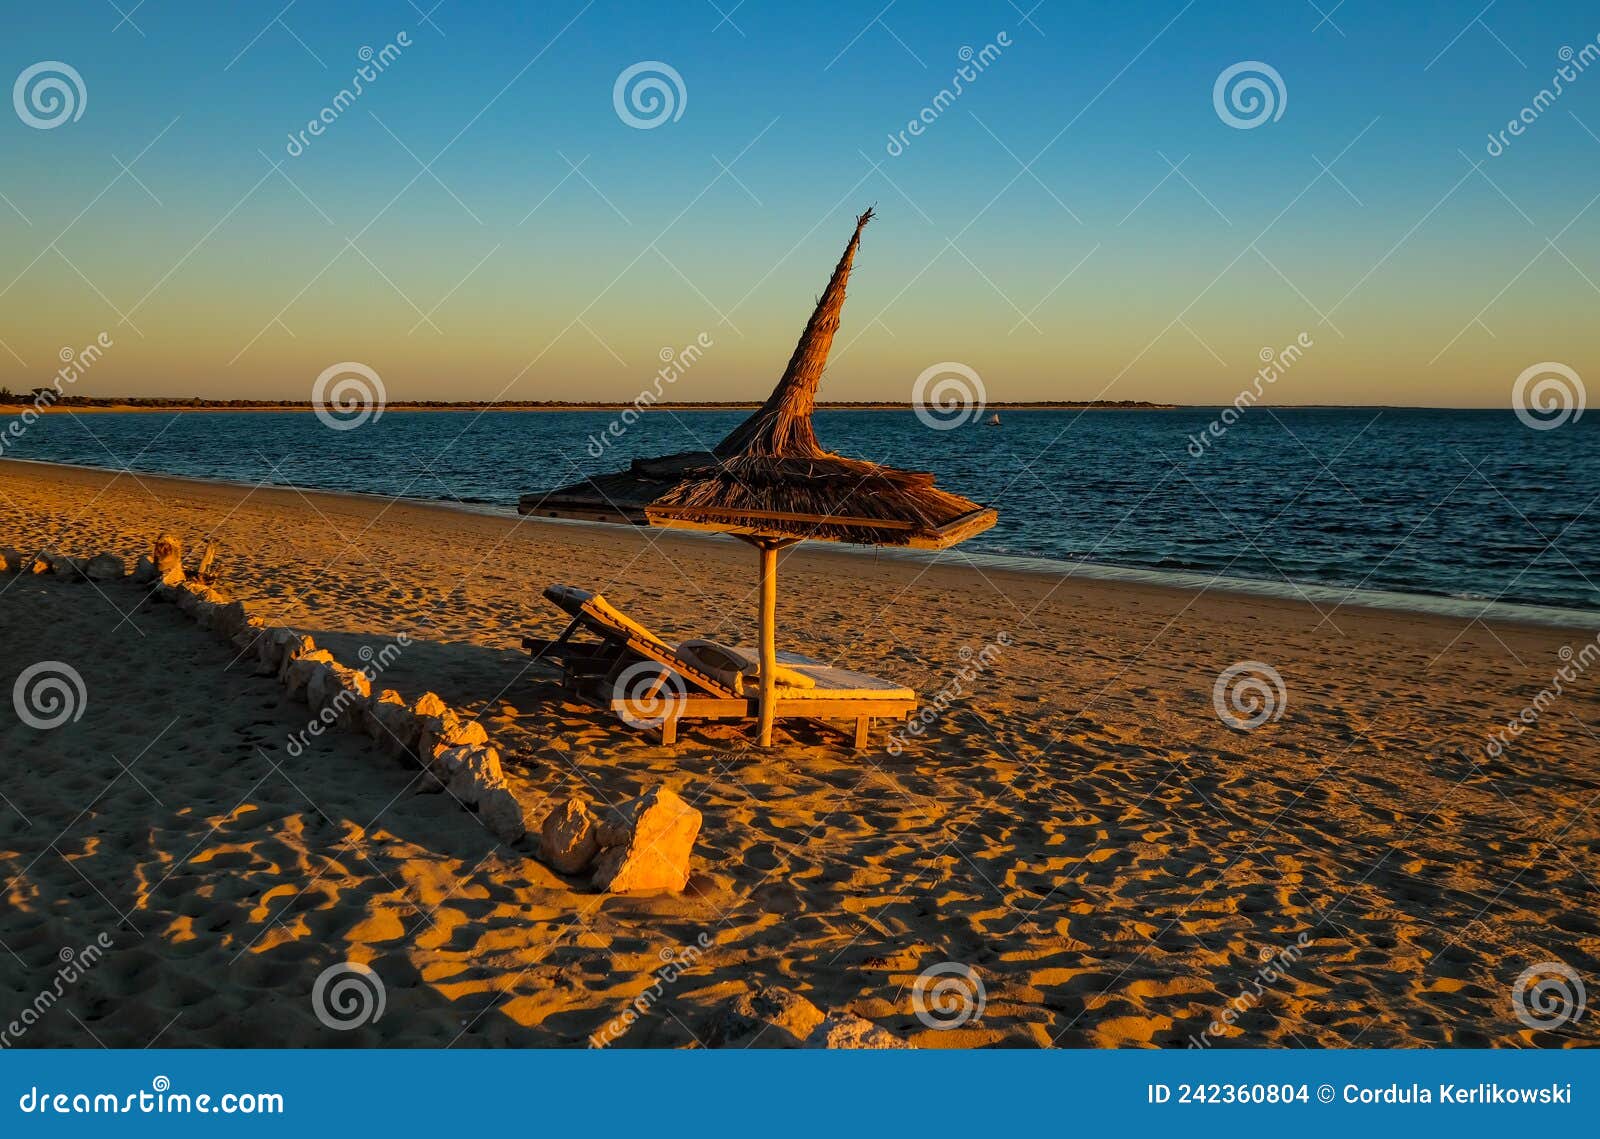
point(1078, 827)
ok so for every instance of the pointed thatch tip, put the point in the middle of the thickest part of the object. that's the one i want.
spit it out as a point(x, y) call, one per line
point(782, 426)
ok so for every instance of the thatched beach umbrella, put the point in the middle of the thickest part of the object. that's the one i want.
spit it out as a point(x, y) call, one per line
point(772, 484)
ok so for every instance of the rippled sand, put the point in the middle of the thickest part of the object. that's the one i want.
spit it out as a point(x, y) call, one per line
point(1078, 827)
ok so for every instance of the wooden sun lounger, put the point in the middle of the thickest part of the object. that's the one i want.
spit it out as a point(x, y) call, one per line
point(592, 668)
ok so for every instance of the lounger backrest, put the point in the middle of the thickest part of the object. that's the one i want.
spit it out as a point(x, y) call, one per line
point(599, 609)
point(606, 620)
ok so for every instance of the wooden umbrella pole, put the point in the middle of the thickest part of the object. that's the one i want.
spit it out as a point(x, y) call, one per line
point(769, 642)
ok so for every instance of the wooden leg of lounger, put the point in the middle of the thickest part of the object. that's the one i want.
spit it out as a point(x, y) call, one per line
point(863, 729)
point(669, 731)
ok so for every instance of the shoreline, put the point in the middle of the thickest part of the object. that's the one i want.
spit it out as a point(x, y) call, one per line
point(1048, 570)
point(60, 407)
point(401, 406)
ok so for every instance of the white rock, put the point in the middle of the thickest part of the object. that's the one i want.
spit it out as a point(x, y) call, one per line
point(847, 1030)
point(370, 723)
point(503, 813)
point(394, 726)
point(477, 772)
point(337, 694)
point(275, 640)
point(293, 648)
point(567, 841)
point(661, 829)
point(246, 642)
point(297, 673)
point(63, 566)
point(448, 730)
point(105, 567)
point(167, 554)
point(770, 1017)
point(191, 594)
point(232, 618)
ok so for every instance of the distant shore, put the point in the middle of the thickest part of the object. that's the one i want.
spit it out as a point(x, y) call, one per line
point(90, 404)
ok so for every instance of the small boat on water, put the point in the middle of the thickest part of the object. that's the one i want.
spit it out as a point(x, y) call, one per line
point(994, 420)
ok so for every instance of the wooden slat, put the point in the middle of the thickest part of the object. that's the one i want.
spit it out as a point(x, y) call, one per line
point(735, 517)
point(653, 651)
point(709, 708)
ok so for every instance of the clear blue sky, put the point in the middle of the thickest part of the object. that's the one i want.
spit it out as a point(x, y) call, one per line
point(504, 273)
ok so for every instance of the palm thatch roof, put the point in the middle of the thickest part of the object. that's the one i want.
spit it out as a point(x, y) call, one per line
point(771, 479)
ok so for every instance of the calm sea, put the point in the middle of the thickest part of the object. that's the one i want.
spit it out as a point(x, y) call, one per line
point(1468, 504)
